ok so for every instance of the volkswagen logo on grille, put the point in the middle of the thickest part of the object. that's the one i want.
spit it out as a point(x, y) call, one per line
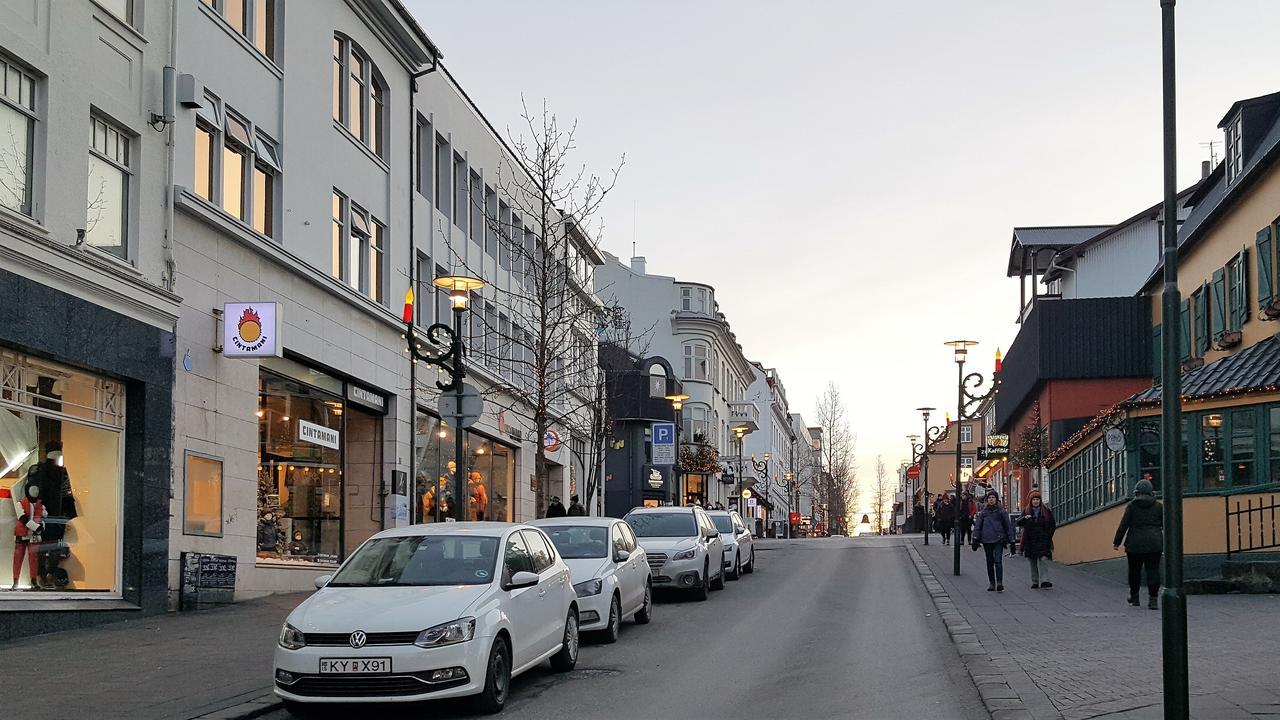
point(358, 639)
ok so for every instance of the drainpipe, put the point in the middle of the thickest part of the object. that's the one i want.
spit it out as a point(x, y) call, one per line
point(411, 489)
point(166, 241)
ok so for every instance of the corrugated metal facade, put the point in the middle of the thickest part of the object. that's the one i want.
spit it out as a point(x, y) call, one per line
point(1068, 339)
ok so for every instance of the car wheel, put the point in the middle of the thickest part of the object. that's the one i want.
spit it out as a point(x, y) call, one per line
point(750, 567)
point(610, 634)
point(737, 567)
point(567, 657)
point(703, 591)
point(497, 679)
point(718, 583)
point(645, 613)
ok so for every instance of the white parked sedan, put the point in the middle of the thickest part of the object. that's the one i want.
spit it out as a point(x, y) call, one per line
point(739, 550)
point(431, 611)
point(610, 572)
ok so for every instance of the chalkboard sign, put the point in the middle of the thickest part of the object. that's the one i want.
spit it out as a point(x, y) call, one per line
point(207, 579)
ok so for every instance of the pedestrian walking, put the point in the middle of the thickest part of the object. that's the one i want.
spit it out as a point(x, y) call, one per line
point(965, 512)
point(1142, 532)
point(1037, 540)
point(575, 507)
point(993, 531)
point(556, 508)
point(946, 518)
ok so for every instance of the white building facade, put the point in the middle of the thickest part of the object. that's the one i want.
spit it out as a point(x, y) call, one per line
point(682, 322)
point(776, 437)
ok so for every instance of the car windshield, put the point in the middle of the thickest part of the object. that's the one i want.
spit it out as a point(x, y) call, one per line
point(579, 541)
point(662, 524)
point(724, 523)
point(419, 561)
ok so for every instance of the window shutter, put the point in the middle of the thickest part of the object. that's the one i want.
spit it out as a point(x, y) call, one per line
point(1218, 305)
point(1244, 288)
point(1184, 337)
point(1200, 305)
point(1265, 275)
point(1157, 353)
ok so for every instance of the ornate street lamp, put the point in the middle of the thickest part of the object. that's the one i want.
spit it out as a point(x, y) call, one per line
point(967, 406)
point(450, 361)
point(920, 454)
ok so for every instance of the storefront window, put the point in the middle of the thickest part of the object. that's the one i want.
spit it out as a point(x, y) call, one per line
point(300, 472)
point(695, 489)
point(202, 496)
point(489, 469)
point(60, 476)
point(1213, 452)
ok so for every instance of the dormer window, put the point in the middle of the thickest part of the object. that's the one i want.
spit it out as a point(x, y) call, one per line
point(1235, 148)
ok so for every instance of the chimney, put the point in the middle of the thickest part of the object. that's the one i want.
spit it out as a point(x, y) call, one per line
point(1204, 169)
point(637, 264)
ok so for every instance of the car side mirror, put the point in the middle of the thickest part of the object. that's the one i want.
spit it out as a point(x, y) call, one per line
point(522, 579)
point(322, 581)
point(621, 555)
point(713, 534)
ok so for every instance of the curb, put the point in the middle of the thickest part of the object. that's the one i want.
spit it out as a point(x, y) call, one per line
point(256, 707)
point(999, 697)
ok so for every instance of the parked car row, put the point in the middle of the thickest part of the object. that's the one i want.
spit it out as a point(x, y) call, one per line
point(458, 609)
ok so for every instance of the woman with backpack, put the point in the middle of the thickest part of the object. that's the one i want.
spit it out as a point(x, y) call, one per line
point(993, 531)
point(1037, 540)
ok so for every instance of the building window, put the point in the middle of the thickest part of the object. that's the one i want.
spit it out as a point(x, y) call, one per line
point(254, 19)
point(202, 496)
point(236, 166)
point(1235, 148)
point(695, 361)
point(358, 248)
point(1238, 291)
point(475, 204)
point(61, 433)
point(460, 192)
point(107, 205)
point(489, 468)
point(966, 434)
point(423, 151)
point(443, 170)
point(17, 136)
point(359, 95)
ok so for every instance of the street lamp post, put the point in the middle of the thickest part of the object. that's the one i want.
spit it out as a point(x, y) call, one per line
point(739, 432)
point(966, 408)
point(763, 469)
point(677, 471)
point(451, 361)
point(785, 487)
point(930, 434)
point(1174, 600)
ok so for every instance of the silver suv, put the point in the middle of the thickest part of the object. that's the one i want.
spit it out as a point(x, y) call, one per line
point(683, 547)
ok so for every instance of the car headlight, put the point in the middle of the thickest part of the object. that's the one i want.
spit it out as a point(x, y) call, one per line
point(685, 554)
point(450, 633)
point(589, 588)
point(291, 638)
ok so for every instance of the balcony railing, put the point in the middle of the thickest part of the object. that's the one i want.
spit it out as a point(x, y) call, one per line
point(744, 414)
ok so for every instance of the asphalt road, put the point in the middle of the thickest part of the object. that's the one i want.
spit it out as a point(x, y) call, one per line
point(825, 628)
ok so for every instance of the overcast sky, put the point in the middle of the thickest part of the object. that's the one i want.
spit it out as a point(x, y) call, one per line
point(847, 174)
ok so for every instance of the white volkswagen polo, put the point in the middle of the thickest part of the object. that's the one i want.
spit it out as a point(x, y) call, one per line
point(610, 572)
point(430, 611)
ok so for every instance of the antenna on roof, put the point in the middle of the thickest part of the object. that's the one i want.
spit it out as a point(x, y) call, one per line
point(1213, 152)
point(633, 228)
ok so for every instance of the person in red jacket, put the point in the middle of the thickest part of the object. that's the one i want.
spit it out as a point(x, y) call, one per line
point(26, 533)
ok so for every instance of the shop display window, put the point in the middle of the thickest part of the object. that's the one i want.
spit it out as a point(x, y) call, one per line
point(489, 470)
point(202, 496)
point(61, 450)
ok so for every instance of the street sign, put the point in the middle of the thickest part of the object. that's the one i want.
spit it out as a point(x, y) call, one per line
point(913, 472)
point(461, 410)
point(551, 441)
point(664, 443)
point(1115, 439)
point(751, 503)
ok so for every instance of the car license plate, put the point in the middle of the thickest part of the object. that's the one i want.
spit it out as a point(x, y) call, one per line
point(355, 666)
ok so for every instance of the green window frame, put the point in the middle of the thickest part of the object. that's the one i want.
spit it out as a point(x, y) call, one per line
point(1238, 290)
point(1217, 309)
point(1184, 336)
point(1266, 268)
point(1200, 308)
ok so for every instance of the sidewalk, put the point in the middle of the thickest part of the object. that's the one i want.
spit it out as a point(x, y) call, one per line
point(178, 666)
point(1078, 650)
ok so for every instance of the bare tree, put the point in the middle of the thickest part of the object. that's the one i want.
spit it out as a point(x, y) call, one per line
point(881, 494)
point(538, 333)
point(839, 479)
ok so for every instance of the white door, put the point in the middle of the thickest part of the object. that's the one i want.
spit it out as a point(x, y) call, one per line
point(639, 565)
point(624, 571)
point(551, 614)
point(523, 605)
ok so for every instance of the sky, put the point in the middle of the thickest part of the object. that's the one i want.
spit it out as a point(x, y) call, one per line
point(847, 174)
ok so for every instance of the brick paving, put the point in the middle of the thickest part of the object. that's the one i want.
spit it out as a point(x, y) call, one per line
point(1079, 651)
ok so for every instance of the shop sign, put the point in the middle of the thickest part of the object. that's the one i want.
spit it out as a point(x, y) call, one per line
point(551, 441)
point(656, 479)
point(318, 435)
point(251, 330)
point(1115, 439)
point(997, 447)
point(751, 503)
point(367, 398)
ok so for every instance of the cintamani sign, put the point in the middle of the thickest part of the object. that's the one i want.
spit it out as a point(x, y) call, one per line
point(317, 434)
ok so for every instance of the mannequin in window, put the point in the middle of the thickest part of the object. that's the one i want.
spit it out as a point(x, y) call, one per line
point(26, 533)
point(59, 508)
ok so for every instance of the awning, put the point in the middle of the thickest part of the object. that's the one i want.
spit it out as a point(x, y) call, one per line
point(1254, 369)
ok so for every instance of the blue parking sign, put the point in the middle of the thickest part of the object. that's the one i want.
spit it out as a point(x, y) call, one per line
point(664, 443)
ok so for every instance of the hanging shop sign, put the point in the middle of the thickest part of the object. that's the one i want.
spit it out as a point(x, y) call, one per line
point(551, 441)
point(1115, 439)
point(997, 447)
point(251, 330)
point(366, 398)
point(318, 435)
point(656, 479)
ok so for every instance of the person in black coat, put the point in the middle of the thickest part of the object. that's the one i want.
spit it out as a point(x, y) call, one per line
point(1037, 540)
point(575, 507)
point(556, 508)
point(1142, 532)
point(946, 518)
